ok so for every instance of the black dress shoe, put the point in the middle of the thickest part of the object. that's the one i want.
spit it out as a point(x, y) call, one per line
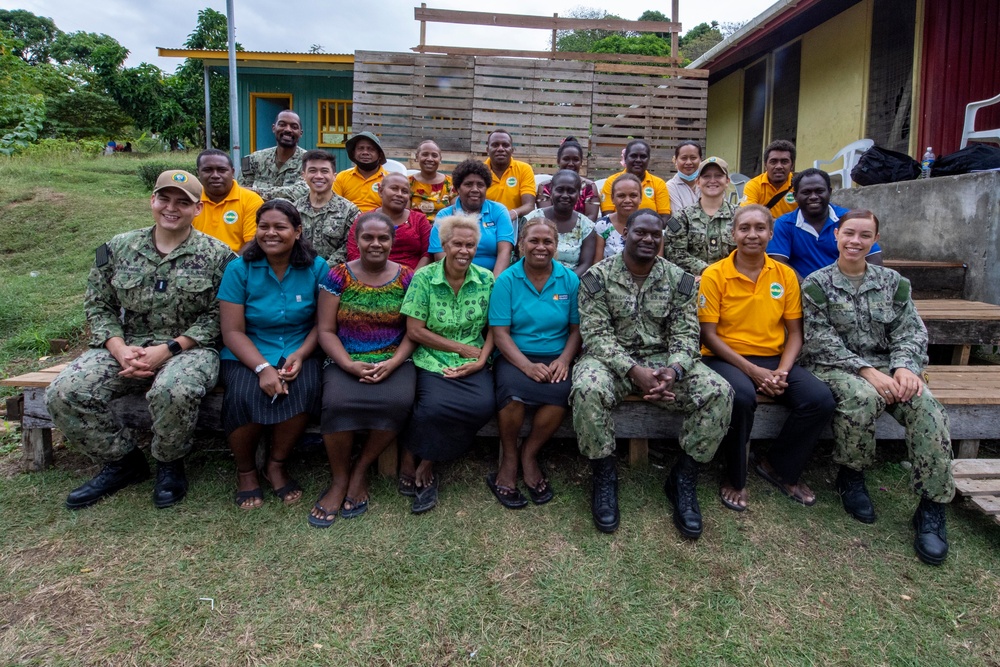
point(171, 483)
point(931, 542)
point(682, 490)
point(114, 476)
point(604, 500)
point(854, 494)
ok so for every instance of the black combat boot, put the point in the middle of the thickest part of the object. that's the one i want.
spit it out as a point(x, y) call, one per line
point(931, 542)
point(681, 488)
point(171, 483)
point(604, 503)
point(114, 476)
point(854, 494)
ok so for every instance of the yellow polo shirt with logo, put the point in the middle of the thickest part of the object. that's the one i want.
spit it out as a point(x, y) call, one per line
point(232, 220)
point(363, 192)
point(655, 194)
point(517, 180)
point(749, 316)
point(759, 190)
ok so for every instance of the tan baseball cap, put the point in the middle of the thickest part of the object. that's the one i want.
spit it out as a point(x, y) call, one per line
point(717, 161)
point(182, 180)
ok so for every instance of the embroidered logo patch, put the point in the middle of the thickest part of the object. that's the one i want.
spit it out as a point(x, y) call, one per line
point(374, 187)
point(702, 301)
point(777, 290)
point(511, 182)
point(648, 192)
point(230, 217)
point(180, 178)
point(790, 198)
point(560, 297)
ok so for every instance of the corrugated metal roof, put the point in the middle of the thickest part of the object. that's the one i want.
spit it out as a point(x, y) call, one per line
point(274, 56)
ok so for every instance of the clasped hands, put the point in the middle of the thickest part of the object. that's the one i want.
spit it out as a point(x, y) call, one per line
point(768, 382)
point(900, 387)
point(139, 362)
point(654, 384)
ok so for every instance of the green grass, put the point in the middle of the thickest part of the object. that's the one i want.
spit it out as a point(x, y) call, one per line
point(468, 584)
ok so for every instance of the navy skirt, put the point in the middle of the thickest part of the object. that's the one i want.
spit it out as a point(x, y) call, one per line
point(513, 385)
point(244, 402)
point(448, 413)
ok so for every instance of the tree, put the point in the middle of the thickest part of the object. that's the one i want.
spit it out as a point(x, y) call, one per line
point(583, 41)
point(646, 45)
point(653, 15)
point(699, 39)
point(32, 35)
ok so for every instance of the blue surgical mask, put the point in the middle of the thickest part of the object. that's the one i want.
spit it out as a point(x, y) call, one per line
point(685, 177)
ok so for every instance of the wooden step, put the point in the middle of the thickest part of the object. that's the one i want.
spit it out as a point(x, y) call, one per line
point(932, 280)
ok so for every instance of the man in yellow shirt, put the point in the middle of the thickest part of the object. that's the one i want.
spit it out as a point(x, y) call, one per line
point(360, 183)
point(229, 212)
point(773, 188)
point(513, 182)
point(654, 189)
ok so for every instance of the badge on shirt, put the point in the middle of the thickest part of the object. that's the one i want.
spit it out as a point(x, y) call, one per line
point(702, 301)
point(230, 217)
point(489, 223)
point(648, 192)
point(777, 290)
point(375, 188)
point(511, 182)
point(560, 297)
point(790, 198)
point(298, 298)
point(713, 242)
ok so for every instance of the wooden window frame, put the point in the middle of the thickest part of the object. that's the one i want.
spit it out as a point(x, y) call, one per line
point(253, 112)
point(321, 107)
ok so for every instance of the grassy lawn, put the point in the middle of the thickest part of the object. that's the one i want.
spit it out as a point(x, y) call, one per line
point(468, 584)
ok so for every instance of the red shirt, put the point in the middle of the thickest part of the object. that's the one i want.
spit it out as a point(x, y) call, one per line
point(410, 244)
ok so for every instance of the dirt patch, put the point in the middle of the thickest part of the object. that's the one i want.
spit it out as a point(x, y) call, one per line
point(37, 196)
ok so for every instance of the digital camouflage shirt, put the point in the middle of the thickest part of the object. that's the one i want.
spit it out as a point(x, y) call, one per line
point(700, 239)
point(326, 227)
point(261, 173)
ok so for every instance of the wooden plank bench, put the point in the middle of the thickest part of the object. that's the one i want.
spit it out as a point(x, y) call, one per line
point(932, 280)
point(970, 393)
point(979, 480)
point(960, 323)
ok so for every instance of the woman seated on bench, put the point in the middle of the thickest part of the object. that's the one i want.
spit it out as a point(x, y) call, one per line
point(267, 304)
point(368, 383)
point(747, 303)
point(536, 327)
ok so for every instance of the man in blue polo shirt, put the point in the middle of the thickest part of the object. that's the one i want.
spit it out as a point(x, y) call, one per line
point(804, 239)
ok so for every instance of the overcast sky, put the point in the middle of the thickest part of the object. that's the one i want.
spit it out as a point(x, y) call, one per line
point(339, 26)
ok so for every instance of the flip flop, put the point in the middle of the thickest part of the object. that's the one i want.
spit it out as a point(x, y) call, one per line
point(243, 496)
point(357, 508)
point(426, 497)
point(511, 498)
point(407, 486)
point(736, 507)
point(781, 486)
point(542, 493)
point(321, 522)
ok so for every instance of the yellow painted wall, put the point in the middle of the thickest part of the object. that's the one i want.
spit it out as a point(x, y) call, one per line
point(834, 81)
point(725, 104)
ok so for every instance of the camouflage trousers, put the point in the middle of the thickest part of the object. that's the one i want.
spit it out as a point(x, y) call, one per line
point(78, 402)
point(703, 397)
point(923, 417)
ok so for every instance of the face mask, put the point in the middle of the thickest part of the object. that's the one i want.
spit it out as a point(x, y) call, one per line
point(685, 177)
point(368, 166)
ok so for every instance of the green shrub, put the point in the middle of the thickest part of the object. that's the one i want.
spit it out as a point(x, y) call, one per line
point(149, 171)
point(63, 147)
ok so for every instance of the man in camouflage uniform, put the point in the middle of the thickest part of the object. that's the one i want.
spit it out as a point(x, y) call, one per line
point(154, 318)
point(863, 337)
point(697, 239)
point(276, 173)
point(640, 334)
point(326, 217)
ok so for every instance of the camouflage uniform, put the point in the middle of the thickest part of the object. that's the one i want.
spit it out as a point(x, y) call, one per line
point(876, 326)
point(653, 326)
point(698, 239)
point(162, 298)
point(261, 173)
point(326, 228)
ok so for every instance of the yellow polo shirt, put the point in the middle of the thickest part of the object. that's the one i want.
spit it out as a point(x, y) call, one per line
point(517, 180)
point(654, 194)
point(233, 220)
point(759, 190)
point(749, 316)
point(363, 192)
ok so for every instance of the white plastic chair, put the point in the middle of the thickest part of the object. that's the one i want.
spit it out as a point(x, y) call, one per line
point(541, 179)
point(411, 172)
point(392, 165)
point(969, 128)
point(738, 182)
point(849, 154)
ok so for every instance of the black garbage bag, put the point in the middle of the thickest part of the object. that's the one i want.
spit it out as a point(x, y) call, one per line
point(881, 165)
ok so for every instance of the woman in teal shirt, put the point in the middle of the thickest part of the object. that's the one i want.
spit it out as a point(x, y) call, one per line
point(267, 305)
point(446, 306)
point(536, 327)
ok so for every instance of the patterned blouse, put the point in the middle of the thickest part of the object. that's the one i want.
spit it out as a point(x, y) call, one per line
point(369, 323)
point(429, 199)
point(568, 249)
point(613, 241)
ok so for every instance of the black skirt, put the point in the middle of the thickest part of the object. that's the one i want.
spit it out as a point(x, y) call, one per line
point(513, 385)
point(244, 402)
point(448, 413)
point(352, 405)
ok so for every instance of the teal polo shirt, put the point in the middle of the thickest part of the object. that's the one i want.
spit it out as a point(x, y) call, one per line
point(539, 321)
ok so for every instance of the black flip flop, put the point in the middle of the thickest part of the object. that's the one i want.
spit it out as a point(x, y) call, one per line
point(426, 497)
point(356, 509)
point(731, 505)
point(778, 484)
point(243, 496)
point(407, 486)
point(544, 495)
point(511, 498)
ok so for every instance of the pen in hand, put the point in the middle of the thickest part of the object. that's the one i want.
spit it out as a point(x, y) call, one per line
point(281, 367)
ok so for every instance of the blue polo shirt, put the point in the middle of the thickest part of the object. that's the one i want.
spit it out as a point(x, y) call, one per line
point(539, 321)
point(279, 314)
point(494, 226)
point(796, 240)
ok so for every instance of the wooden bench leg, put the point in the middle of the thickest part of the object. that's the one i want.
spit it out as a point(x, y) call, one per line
point(36, 448)
point(638, 451)
point(388, 460)
point(960, 355)
point(966, 449)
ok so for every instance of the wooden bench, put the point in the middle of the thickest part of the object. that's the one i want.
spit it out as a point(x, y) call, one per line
point(932, 280)
point(960, 323)
point(970, 393)
point(979, 480)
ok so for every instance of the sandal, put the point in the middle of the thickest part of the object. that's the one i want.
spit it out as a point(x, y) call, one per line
point(407, 485)
point(324, 521)
point(356, 508)
point(542, 492)
point(736, 507)
point(425, 498)
point(509, 497)
point(251, 494)
point(776, 481)
point(288, 489)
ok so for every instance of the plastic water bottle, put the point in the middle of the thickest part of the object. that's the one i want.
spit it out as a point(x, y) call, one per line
point(926, 163)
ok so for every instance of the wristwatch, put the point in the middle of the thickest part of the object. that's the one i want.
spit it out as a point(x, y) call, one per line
point(678, 371)
point(261, 367)
point(174, 347)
